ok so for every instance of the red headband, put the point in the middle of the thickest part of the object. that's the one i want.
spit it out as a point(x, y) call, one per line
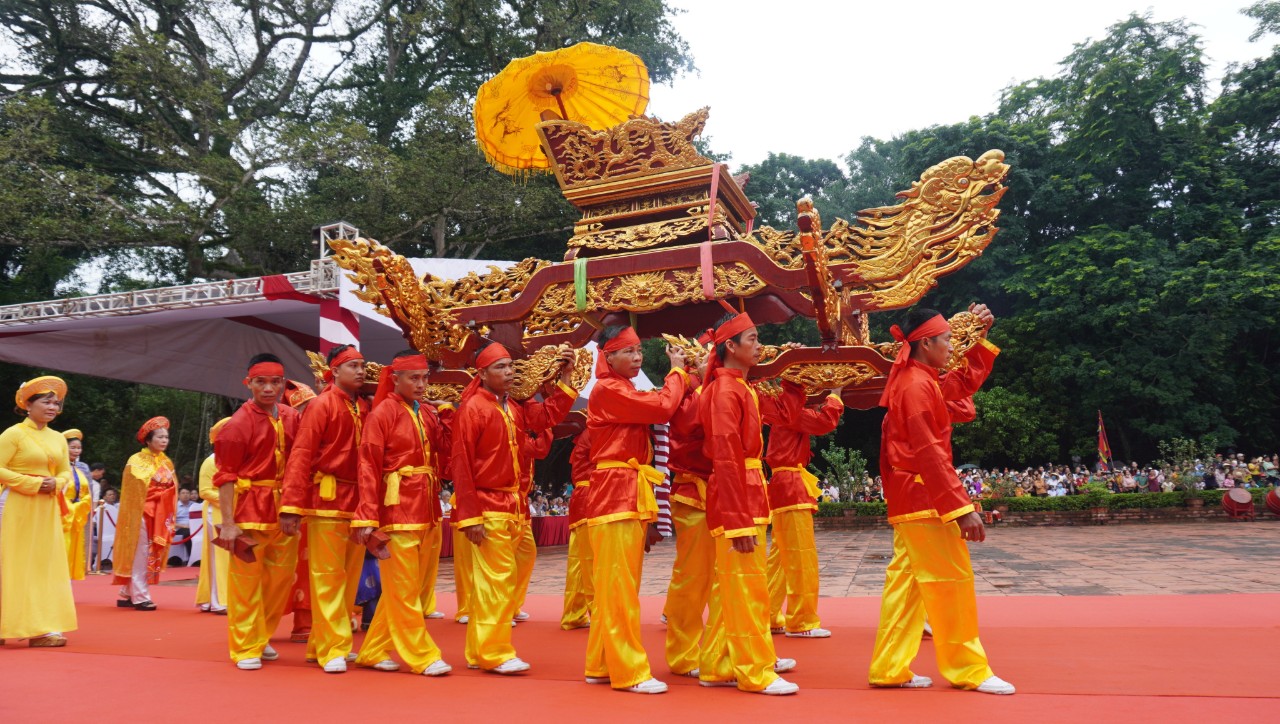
point(730, 329)
point(626, 338)
point(346, 355)
point(733, 328)
point(264, 369)
point(493, 353)
point(932, 328)
point(399, 364)
point(411, 362)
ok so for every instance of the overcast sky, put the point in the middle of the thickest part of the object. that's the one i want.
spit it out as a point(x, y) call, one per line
point(813, 77)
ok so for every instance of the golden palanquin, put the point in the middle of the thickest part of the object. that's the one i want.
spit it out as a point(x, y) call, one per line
point(665, 232)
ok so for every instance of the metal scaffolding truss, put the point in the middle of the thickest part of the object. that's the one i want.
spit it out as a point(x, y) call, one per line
point(321, 280)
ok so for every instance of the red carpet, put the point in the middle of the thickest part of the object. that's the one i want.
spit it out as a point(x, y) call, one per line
point(1157, 658)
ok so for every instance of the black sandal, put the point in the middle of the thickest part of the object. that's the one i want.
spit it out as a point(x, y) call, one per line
point(145, 606)
point(124, 603)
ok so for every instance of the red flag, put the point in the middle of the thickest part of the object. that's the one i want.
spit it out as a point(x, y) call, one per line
point(1104, 447)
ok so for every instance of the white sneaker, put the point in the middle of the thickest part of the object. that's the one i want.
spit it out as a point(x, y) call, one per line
point(510, 666)
point(351, 657)
point(435, 615)
point(652, 686)
point(715, 684)
point(336, 666)
point(692, 674)
point(218, 610)
point(270, 654)
point(387, 665)
point(596, 679)
point(917, 682)
point(473, 666)
point(437, 668)
point(521, 617)
point(781, 666)
point(249, 664)
point(663, 619)
point(513, 624)
point(462, 619)
point(779, 687)
point(928, 631)
point(995, 685)
point(813, 633)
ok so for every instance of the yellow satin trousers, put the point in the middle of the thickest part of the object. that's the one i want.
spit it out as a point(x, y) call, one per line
point(613, 646)
point(335, 562)
point(398, 621)
point(431, 567)
point(929, 574)
point(690, 586)
point(793, 572)
point(461, 574)
point(526, 556)
point(492, 600)
point(737, 645)
point(579, 593)
point(258, 592)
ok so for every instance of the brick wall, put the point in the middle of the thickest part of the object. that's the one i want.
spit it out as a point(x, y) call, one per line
point(1066, 517)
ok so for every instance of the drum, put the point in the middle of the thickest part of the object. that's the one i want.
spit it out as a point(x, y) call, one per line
point(1273, 501)
point(1238, 503)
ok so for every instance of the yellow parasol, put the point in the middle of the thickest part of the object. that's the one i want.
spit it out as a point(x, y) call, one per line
point(588, 83)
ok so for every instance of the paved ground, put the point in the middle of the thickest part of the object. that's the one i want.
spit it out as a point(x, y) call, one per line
point(1069, 561)
point(1176, 558)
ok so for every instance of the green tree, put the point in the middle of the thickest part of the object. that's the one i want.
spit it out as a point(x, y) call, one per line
point(1012, 428)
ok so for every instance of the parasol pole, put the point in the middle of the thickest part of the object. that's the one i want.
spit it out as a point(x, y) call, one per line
point(555, 92)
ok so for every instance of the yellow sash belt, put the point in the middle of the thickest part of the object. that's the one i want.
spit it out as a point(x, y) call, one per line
point(328, 485)
point(243, 484)
point(810, 480)
point(647, 476)
point(393, 481)
point(691, 479)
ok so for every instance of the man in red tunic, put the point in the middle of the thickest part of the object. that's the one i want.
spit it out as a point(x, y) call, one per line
point(694, 567)
point(320, 484)
point(537, 445)
point(793, 493)
point(737, 649)
point(402, 441)
point(620, 504)
point(486, 464)
point(250, 455)
point(579, 594)
point(932, 518)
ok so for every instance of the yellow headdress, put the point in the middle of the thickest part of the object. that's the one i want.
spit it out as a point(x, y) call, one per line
point(40, 386)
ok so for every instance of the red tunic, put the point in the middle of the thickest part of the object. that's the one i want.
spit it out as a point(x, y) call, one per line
point(251, 453)
point(732, 424)
point(327, 445)
point(618, 419)
point(580, 468)
point(688, 463)
point(920, 481)
point(486, 463)
point(789, 448)
point(391, 442)
point(536, 446)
